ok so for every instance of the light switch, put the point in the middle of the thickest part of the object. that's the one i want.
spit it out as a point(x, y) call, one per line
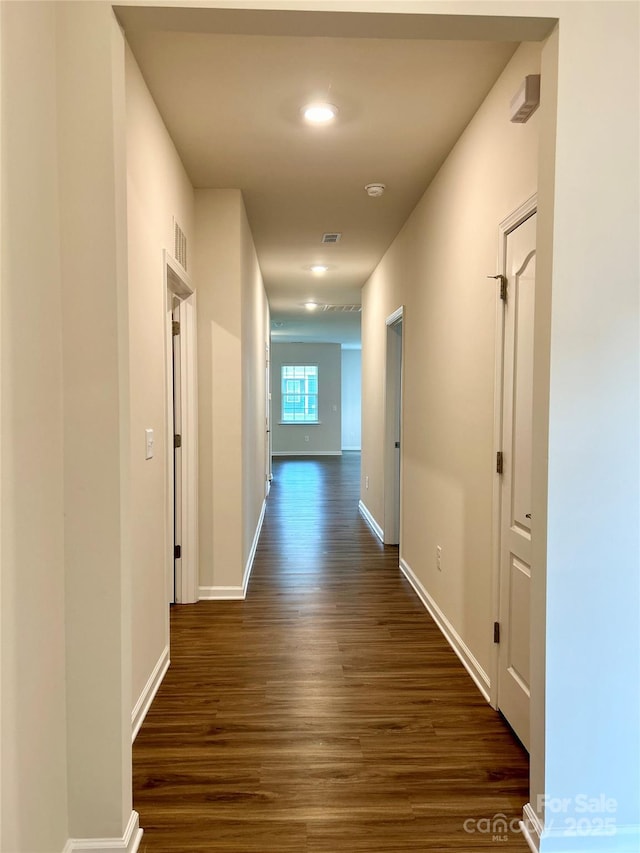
point(148, 444)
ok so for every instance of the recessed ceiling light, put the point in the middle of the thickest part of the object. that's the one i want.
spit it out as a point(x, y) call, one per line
point(319, 113)
point(319, 269)
point(311, 306)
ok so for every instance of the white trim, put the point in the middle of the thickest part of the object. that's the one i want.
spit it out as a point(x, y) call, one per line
point(177, 283)
point(236, 593)
point(148, 694)
point(509, 224)
point(456, 642)
point(392, 319)
point(531, 827)
point(252, 551)
point(129, 842)
point(373, 524)
point(221, 593)
point(623, 839)
point(307, 453)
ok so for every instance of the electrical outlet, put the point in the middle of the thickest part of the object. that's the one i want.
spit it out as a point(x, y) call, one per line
point(306, 438)
point(439, 557)
point(366, 482)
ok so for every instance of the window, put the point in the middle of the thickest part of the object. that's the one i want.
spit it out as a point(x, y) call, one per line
point(299, 386)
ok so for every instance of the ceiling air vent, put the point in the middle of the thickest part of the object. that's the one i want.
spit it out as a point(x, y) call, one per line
point(342, 308)
point(333, 237)
point(179, 245)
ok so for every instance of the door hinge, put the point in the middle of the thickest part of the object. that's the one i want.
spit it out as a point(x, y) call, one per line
point(496, 632)
point(175, 327)
point(503, 285)
point(177, 441)
point(177, 552)
point(499, 462)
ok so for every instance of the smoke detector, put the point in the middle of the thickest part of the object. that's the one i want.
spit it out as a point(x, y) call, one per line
point(375, 190)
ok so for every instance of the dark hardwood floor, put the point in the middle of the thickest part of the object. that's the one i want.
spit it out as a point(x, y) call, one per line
point(325, 713)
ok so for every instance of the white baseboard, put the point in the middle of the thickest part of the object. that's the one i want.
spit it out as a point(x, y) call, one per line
point(456, 642)
point(307, 453)
point(236, 593)
point(221, 593)
point(373, 524)
point(129, 842)
point(623, 839)
point(531, 828)
point(148, 694)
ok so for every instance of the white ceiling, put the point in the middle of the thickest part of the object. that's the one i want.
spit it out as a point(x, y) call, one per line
point(230, 87)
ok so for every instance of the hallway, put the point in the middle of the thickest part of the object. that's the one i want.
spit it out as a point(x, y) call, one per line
point(325, 712)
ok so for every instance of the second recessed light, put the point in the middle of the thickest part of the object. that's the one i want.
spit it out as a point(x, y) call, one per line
point(319, 269)
point(319, 113)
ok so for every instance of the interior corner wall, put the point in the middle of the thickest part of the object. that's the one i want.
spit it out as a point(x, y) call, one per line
point(255, 340)
point(217, 270)
point(351, 399)
point(437, 268)
point(324, 437)
point(33, 710)
point(158, 189)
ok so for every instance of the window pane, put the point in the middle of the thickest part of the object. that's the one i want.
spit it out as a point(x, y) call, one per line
point(299, 392)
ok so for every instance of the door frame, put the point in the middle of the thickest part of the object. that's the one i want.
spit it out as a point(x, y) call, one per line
point(393, 399)
point(508, 224)
point(178, 284)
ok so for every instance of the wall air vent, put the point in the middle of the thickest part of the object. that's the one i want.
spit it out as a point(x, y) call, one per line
point(179, 245)
point(333, 237)
point(347, 309)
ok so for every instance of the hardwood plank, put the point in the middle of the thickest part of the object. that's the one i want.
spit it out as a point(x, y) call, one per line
point(326, 712)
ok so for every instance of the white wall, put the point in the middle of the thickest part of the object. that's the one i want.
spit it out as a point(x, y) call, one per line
point(98, 514)
point(232, 323)
point(437, 268)
point(324, 437)
point(158, 189)
point(351, 399)
point(255, 339)
point(33, 712)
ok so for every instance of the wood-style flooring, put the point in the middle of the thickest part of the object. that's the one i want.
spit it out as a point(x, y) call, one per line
point(326, 713)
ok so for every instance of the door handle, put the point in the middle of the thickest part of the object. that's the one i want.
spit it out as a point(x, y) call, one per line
point(397, 445)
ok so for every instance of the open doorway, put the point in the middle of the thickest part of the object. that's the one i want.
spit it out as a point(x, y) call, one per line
point(393, 428)
point(182, 436)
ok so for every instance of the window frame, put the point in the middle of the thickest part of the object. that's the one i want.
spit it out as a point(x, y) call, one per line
point(302, 394)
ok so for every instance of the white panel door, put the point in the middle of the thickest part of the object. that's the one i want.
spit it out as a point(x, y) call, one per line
point(515, 534)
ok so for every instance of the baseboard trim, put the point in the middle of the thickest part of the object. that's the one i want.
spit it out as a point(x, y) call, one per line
point(236, 593)
point(252, 551)
point(221, 593)
point(464, 653)
point(148, 694)
point(623, 839)
point(129, 842)
point(306, 453)
point(373, 524)
point(531, 828)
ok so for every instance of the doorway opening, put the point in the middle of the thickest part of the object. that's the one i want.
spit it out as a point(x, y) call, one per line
point(393, 428)
point(513, 524)
point(181, 436)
